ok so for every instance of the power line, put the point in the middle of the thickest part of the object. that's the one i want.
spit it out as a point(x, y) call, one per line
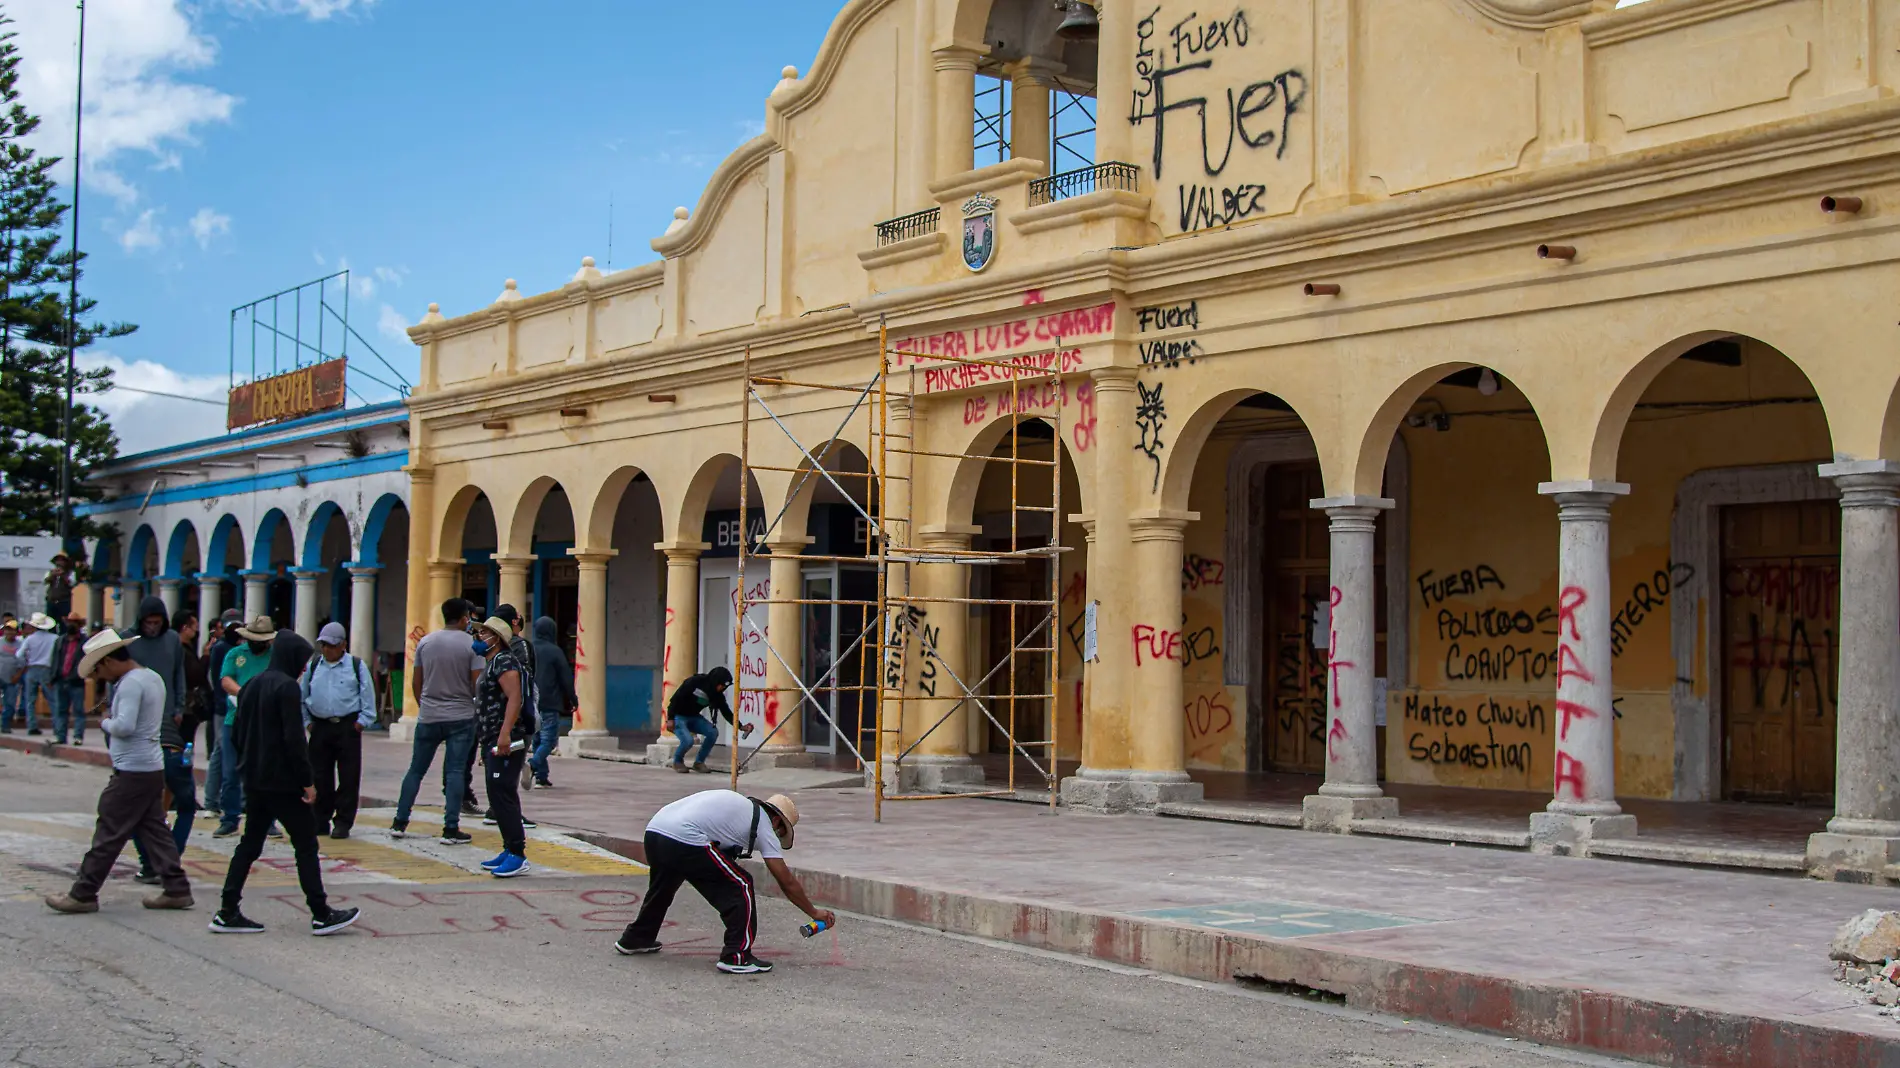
point(162, 393)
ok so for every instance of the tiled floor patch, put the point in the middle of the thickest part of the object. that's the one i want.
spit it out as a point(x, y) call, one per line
point(1279, 919)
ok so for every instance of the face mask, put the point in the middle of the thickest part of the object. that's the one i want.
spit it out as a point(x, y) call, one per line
point(481, 647)
point(260, 648)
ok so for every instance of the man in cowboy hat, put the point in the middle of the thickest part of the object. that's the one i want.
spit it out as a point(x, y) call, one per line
point(700, 839)
point(133, 802)
point(59, 586)
point(36, 650)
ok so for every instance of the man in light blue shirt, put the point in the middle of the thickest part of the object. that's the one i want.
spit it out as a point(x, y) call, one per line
point(339, 701)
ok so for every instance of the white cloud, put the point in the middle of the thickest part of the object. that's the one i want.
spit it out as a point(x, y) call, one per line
point(143, 235)
point(144, 421)
point(315, 10)
point(391, 275)
point(394, 325)
point(208, 224)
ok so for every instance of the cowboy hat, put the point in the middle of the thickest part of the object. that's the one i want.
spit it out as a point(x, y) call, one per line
point(787, 811)
point(260, 630)
point(42, 621)
point(97, 647)
point(501, 628)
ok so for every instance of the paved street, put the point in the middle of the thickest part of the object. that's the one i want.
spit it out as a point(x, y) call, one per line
point(450, 970)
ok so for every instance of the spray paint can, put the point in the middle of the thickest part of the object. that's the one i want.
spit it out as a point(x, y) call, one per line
point(813, 928)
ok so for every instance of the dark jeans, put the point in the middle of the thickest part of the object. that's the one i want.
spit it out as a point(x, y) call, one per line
point(546, 737)
point(504, 798)
point(69, 708)
point(131, 806)
point(458, 740)
point(184, 787)
point(266, 808)
point(684, 727)
point(336, 756)
point(468, 777)
point(718, 878)
point(231, 789)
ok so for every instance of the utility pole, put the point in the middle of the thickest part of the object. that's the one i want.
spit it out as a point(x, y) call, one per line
point(72, 308)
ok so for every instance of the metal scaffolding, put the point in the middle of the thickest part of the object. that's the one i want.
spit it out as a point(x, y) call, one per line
point(891, 630)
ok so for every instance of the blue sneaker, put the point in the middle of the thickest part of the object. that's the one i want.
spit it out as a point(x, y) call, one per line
point(510, 866)
point(495, 861)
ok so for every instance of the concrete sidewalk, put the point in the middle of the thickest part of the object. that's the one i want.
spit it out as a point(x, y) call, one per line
point(1660, 963)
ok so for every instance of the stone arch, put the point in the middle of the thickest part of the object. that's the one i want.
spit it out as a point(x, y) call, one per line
point(960, 505)
point(183, 541)
point(104, 552)
point(598, 532)
point(690, 519)
point(454, 518)
point(1367, 473)
point(970, 19)
point(791, 517)
point(218, 550)
point(1184, 452)
point(517, 538)
point(368, 552)
point(313, 534)
point(1614, 418)
point(265, 535)
point(144, 542)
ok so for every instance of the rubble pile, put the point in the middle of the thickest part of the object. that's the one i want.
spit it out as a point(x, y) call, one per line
point(1867, 950)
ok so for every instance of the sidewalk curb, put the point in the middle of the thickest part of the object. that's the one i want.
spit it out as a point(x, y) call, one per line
point(1596, 1021)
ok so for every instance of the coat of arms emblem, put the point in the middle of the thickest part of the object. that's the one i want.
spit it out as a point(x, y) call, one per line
point(979, 231)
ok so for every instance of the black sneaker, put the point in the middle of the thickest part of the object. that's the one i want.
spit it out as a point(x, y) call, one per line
point(333, 921)
point(543, 784)
point(470, 806)
point(274, 832)
point(488, 818)
point(225, 830)
point(743, 964)
point(35, 730)
point(149, 878)
point(399, 828)
point(528, 824)
point(626, 949)
point(456, 836)
point(229, 922)
point(340, 833)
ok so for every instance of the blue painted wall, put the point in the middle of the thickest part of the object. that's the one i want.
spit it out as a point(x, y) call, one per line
point(630, 698)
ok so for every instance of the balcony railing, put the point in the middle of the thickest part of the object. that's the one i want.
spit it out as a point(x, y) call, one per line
point(1123, 176)
point(905, 227)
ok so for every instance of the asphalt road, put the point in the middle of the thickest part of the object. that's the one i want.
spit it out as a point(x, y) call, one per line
point(521, 972)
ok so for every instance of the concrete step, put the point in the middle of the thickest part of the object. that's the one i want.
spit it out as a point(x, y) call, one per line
point(1434, 831)
point(1230, 812)
point(1704, 855)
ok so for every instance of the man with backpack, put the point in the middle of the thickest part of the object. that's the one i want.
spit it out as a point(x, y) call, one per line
point(339, 701)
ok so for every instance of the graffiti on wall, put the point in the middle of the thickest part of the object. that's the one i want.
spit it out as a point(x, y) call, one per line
point(1151, 416)
point(1075, 398)
point(998, 342)
point(1176, 348)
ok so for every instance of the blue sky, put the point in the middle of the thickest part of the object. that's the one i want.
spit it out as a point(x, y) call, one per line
point(436, 148)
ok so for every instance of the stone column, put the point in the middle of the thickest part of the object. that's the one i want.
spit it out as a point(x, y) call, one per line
point(1029, 118)
point(939, 658)
point(514, 583)
point(590, 645)
point(363, 611)
point(421, 613)
point(210, 606)
point(111, 596)
point(169, 589)
point(680, 661)
point(785, 633)
point(1351, 790)
point(1583, 803)
point(95, 602)
point(1156, 728)
point(956, 109)
point(130, 595)
point(304, 608)
point(256, 594)
point(445, 581)
point(1864, 835)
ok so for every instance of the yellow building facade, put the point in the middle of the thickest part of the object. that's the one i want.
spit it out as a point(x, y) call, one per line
point(1482, 393)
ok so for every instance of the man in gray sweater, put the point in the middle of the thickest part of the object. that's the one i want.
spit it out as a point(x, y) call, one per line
point(133, 802)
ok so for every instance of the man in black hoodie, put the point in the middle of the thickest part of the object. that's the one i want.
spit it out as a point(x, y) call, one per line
point(269, 750)
point(554, 689)
point(690, 710)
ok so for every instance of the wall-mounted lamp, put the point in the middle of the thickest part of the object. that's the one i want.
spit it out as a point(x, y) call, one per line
point(1322, 289)
point(1487, 383)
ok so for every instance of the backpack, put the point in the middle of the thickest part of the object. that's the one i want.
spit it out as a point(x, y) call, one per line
point(752, 840)
point(310, 672)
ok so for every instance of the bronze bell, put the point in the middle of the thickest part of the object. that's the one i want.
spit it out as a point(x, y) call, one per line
point(1078, 21)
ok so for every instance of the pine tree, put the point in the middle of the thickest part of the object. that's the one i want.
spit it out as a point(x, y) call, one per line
point(35, 276)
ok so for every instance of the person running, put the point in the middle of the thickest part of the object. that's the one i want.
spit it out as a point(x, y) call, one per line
point(686, 713)
point(133, 803)
point(69, 689)
point(443, 680)
point(339, 702)
point(503, 727)
point(554, 688)
point(242, 664)
point(269, 751)
point(699, 839)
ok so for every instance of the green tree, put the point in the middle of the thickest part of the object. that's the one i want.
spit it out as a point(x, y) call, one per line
point(35, 315)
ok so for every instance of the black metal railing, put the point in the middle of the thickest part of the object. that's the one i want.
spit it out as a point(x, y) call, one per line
point(1124, 176)
point(905, 227)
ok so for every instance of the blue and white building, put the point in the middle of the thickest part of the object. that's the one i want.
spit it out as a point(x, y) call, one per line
point(306, 521)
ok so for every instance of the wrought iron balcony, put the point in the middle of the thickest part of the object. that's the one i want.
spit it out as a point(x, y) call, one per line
point(905, 227)
point(1123, 176)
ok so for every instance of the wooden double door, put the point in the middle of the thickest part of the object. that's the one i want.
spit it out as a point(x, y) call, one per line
point(1781, 583)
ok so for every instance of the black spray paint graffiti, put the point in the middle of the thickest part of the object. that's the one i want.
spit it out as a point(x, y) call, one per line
point(1647, 596)
point(1281, 95)
point(1170, 352)
point(1483, 645)
point(1150, 416)
point(902, 626)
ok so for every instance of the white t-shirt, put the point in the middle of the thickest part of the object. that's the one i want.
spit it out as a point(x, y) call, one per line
point(715, 817)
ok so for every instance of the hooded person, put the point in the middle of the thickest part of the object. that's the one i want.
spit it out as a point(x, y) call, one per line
point(159, 648)
point(554, 689)
point(689, 712)
point(269, 751)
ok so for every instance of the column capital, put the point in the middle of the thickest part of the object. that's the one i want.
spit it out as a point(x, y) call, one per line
point(1584, 501)
point(419, 472)
point(363, 571)
point(789, 546)
point(1036, 70)
point(509, 562)
point(593, 559)
point(1160, 525)
point(682, 550)
point(211, 578)
point(1114, 379)
point(308, 574)
point(1371, 506)
point(251, 576)
point(947, 537)
point(439, 568)
point(957, 56)
point(1865, 483)
point(171, 582)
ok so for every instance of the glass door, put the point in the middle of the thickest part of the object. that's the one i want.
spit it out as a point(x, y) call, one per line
point(821, 648)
